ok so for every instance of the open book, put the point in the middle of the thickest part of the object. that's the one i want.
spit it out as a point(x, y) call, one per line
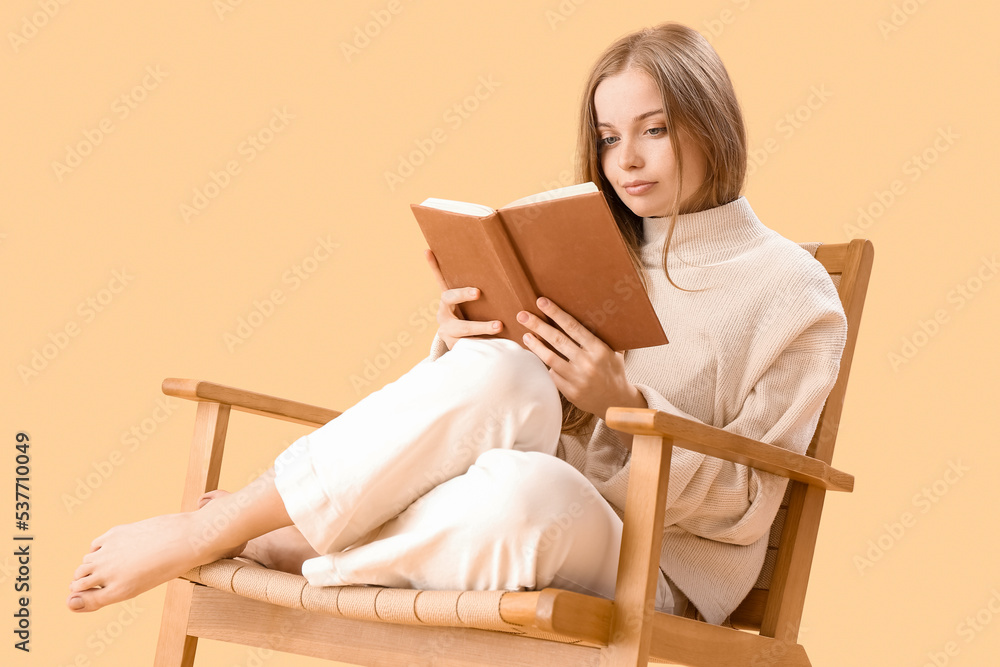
point(562, 244)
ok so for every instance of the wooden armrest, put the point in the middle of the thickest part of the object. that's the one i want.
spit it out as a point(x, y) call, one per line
point(716, 442)
point(248, 401)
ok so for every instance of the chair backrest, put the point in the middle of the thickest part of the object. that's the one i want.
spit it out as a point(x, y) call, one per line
point(774, 605)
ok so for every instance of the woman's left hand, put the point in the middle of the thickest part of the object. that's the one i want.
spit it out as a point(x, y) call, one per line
point(592, 375)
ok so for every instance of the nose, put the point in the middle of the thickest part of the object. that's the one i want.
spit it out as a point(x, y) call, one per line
point(628, 154)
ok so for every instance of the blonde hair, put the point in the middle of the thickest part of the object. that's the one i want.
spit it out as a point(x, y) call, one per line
point(699, 102)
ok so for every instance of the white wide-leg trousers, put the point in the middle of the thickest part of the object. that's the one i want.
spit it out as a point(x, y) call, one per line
point(447, 479)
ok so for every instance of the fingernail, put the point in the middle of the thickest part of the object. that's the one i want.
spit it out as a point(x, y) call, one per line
point(76, 603)
point(496, 325)
point(542, 302)
point(522, 317)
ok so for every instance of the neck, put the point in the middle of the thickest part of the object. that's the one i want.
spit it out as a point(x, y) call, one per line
point(711, 231)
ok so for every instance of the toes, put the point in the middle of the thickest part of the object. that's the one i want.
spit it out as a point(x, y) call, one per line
point(83, 571)
point(91, 600)
point(84, 583)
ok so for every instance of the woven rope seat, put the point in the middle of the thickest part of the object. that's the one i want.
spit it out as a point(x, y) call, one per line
point(484, 610)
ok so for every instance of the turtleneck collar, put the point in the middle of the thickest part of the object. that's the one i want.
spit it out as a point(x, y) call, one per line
point(708, 232)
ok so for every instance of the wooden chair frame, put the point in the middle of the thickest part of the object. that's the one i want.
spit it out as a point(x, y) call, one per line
point(625, 631)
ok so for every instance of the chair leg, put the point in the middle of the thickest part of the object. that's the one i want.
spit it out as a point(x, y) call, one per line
point(642, 535)
point(174, 647)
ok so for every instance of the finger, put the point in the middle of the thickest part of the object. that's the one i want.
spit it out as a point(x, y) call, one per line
point(435, 269)
point(566, 346)
point(578, 333)
point(459, 295)
point(550, 358)
point(475, 328)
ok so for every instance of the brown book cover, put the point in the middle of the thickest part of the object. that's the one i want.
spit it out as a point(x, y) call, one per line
point(563, 244)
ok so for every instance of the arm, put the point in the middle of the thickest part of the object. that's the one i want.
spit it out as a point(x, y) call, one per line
point(437, 349)
point(731, 502)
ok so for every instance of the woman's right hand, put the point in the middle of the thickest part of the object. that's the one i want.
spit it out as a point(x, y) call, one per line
point(450, 326)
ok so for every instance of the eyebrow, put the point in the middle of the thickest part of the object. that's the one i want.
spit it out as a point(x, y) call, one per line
point(637, 118)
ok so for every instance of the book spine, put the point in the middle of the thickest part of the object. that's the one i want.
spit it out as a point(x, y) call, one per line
point(510, 263)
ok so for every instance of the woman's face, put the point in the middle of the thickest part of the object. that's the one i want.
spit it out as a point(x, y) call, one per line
point(634, 144)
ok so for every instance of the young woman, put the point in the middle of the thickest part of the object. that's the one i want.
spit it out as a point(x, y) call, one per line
point(489, 465)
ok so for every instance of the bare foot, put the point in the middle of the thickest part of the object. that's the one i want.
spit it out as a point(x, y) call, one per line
point(284, 549)
point(131, 559)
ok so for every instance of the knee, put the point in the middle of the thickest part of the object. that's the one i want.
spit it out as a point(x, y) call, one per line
point(506, 366)
point(528, 486)
point(498, 370)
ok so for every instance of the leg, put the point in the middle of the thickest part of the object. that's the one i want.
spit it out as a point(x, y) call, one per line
point(283, 549)
point(133, 558)
point(476, 375)
point(516, 520)
point(350, 476)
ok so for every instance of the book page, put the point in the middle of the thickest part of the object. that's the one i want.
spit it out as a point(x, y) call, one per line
point(462, 207)
point(558, 193)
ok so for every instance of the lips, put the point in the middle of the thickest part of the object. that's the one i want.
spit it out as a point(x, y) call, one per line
point(637, 187)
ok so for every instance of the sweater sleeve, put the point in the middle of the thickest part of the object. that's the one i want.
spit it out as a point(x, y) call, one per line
point(437, 349)
point(729, 502)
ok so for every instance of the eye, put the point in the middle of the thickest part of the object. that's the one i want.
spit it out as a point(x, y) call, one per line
point(657, 131)
point(605, 141)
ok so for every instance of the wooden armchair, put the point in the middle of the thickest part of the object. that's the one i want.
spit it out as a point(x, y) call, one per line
point(236, 601)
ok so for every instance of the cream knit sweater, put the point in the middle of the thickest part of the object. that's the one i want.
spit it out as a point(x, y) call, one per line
point(755, 351)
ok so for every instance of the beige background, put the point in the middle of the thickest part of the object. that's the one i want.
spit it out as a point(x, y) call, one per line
point(182, 285)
